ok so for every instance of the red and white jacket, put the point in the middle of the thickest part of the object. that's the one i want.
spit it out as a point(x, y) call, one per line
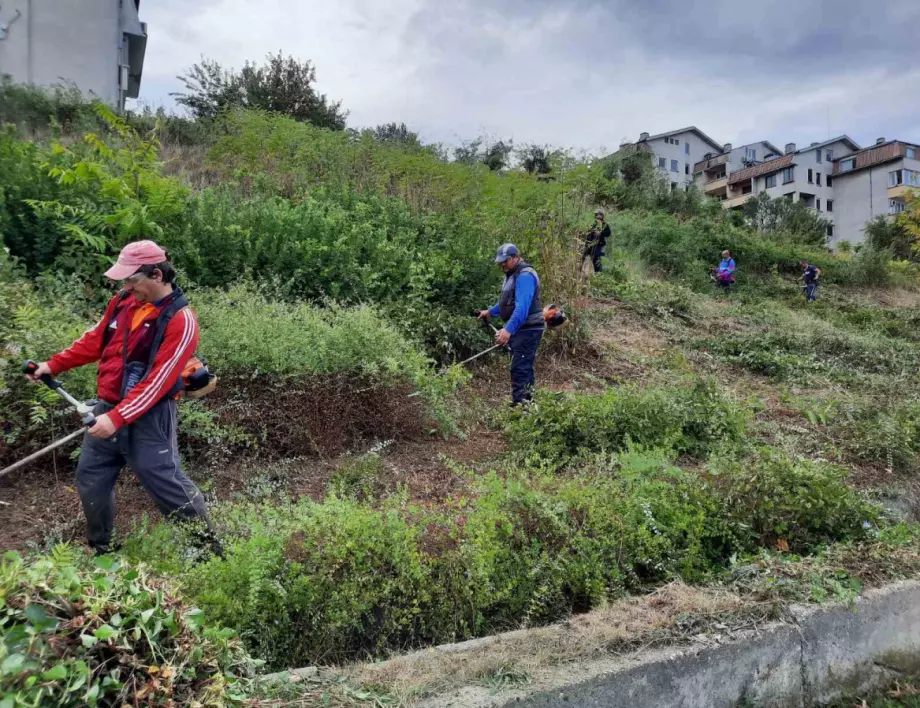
point(105, 343)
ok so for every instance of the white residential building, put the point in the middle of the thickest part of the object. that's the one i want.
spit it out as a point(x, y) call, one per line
point(873, 182)
point(711, 173)
point(98, 45)
point(676, 152)
point(804, 175)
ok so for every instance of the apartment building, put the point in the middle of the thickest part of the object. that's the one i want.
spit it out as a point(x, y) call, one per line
point(98, 45)
point(803, 175)
point(676, 152)
point(711, 173)
point(872, 182)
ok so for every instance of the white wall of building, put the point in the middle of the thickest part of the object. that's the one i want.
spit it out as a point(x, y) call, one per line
point(57, 41)
point(689, 150)
point(863, 195)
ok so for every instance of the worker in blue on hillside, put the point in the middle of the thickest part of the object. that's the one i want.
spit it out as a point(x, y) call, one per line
point(811, 274)
point(519, 306)
point(724, 275)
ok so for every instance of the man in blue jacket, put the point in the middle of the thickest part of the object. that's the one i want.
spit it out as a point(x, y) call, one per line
point(519, 306)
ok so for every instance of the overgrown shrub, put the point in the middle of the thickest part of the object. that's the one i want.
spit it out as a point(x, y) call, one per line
point(76, 634)
point(799, 344)
point(773, 497)
point(35, 322)
point(885, 431)
point(306, 582)
point(687, 248)
point(692, 419)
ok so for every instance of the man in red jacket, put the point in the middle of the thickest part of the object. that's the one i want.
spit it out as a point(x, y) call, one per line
point(142, 343)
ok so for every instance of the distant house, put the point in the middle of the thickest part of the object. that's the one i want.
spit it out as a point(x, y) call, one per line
point(98, 45)
point(873, 182)
point(676, 152)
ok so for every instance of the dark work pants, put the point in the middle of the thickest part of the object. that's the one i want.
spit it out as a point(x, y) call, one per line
point(596, 258)
point(150, 447)
point(811, 291)
point(523, 347)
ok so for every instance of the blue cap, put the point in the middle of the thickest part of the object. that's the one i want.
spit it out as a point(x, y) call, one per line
point(506, 251)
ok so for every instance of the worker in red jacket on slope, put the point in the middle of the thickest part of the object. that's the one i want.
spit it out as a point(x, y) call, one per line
point(142, 343)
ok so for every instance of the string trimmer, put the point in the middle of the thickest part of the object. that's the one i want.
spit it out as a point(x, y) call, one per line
point(84, 409)
point(552, 315)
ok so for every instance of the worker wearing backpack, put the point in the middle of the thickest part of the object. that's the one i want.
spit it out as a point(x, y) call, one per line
point(143, 343)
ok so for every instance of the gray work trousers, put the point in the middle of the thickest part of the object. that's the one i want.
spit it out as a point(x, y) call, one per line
point(150, 446)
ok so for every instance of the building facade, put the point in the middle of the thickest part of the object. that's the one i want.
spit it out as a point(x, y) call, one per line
point(98, 45)
point(711, 174)
point(676, 152)
point(843, 183)
point(802, 175)
point(871, 183)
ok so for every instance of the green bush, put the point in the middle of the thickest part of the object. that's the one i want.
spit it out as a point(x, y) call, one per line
point(687, 248)
point(35, 321)
point(75, 634)
point(789, 345)
point(305, 582)
point(771, 496)
point(881, 430)
point(691, 419)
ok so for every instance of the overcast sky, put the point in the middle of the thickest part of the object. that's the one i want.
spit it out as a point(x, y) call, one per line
point(574, 73)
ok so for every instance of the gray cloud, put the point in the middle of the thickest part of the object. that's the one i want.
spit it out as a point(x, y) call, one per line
point(578, 73)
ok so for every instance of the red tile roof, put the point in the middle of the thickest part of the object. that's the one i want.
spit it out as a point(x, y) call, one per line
point(764, 168)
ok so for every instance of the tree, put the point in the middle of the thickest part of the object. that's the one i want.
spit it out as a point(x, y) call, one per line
point(783, 217)
point(535, 159)
point(469, 153)
point(893, 235)
point(496, 155)
point(210, 90)
point(493, 154)
point(396, 133)
point(282, 85)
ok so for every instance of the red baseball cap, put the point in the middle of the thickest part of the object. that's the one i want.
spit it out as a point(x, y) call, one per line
point(133, 256)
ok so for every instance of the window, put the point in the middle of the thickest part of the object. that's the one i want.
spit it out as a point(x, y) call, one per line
point(818, 156)
point(811, 176)
point(686, 168)
point(830, 181)
point(830, 231)
point(830, 155)
point(662, 164)
point(788, 175)
point(895, 206)
point(847, 165)
point(894, 178)
point(830, 205)
point(818, 178)
point(770, 181)
point(674, 167)
point(818, 204)
point(911, 153)
point(751, 154)
point(687, 148)
point(673, 186)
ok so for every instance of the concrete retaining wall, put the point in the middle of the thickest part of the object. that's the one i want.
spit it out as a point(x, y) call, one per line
point(820, 655)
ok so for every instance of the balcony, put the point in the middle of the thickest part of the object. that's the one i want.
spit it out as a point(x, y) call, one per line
point(902, 190)
point(711, 163)
point(716, 187)
point(736, 201)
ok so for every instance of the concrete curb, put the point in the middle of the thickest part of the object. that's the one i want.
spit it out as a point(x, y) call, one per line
point(825, 652)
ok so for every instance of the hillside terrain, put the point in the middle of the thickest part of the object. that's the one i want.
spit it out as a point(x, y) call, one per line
point(372, 495)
